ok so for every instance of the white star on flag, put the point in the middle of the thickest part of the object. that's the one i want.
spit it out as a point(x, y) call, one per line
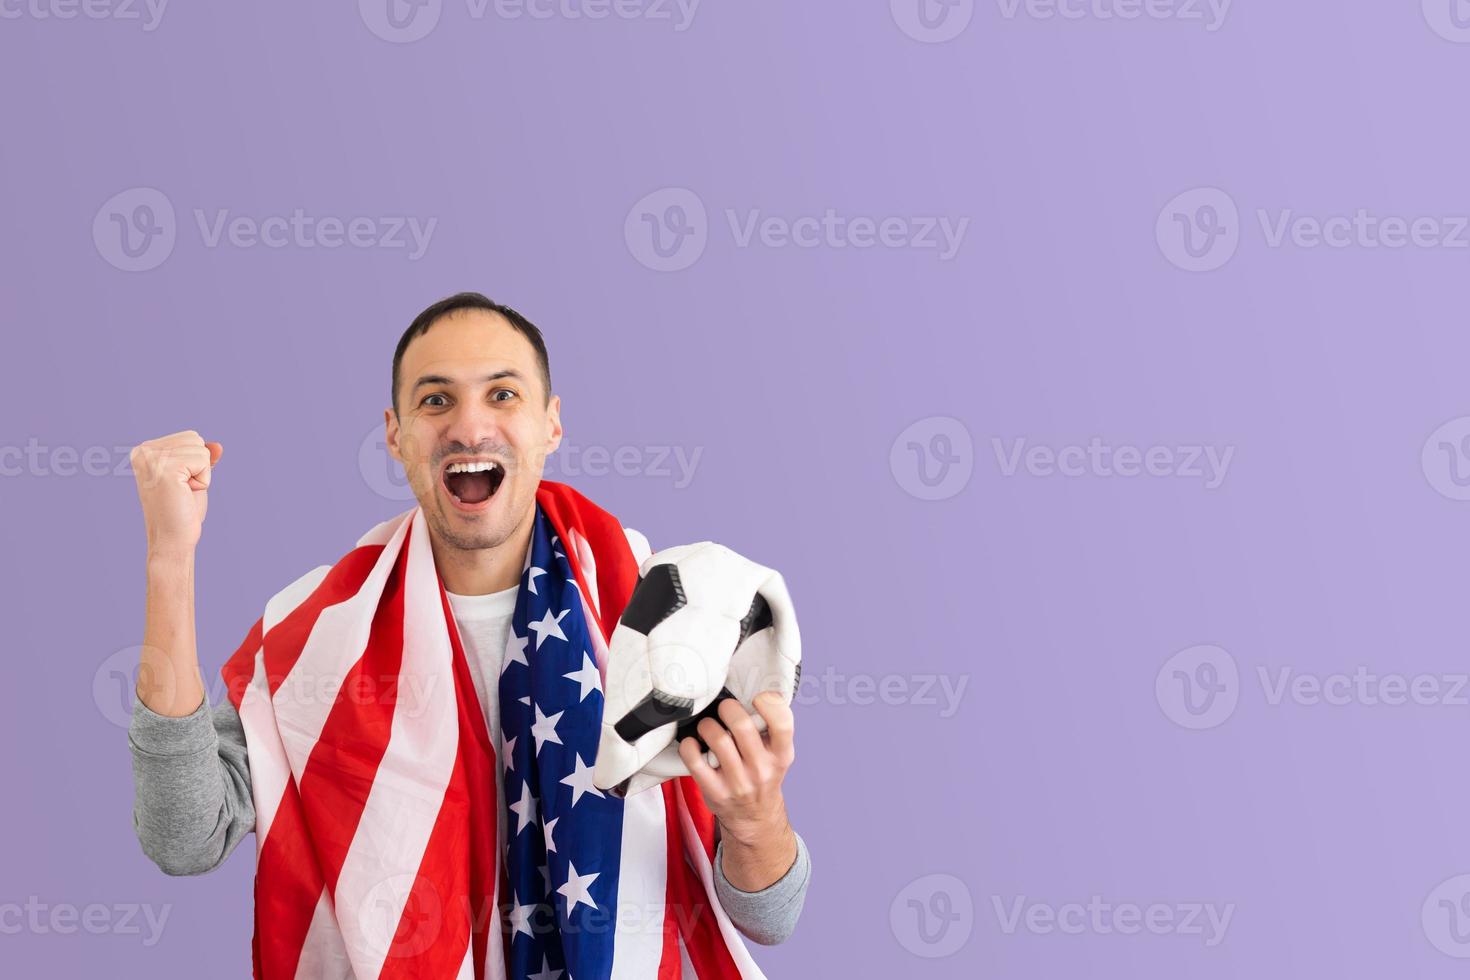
point(544, 728)
point(548, 625)
point(547, 973)
point(520, 919)
point(587, 676)
point(581, 781)
point(531, 578)
point(515, 651)
point(576, 887)
point(525, 809)
point(508, 752)
point(549, 827)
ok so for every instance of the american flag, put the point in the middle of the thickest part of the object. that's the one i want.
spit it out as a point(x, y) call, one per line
point(374, 779)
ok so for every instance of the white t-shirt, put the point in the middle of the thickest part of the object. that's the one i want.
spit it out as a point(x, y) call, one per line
point(484, 629)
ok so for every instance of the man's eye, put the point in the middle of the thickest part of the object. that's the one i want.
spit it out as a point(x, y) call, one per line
point(428, 400)
point(502, 395)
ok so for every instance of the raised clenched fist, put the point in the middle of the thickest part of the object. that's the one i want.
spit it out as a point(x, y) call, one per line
point(173, 475)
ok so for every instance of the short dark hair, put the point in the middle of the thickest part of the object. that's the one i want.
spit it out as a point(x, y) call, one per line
point(471, 301)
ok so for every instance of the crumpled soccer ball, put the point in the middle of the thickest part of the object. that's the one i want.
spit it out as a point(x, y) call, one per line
point(703, 624)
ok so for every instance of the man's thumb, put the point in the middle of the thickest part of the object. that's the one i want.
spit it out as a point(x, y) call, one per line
point(215, 452)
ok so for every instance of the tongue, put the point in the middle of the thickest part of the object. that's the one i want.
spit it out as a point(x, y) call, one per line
point(470, 488)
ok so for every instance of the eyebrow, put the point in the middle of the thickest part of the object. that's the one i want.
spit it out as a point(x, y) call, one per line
point(439, 379)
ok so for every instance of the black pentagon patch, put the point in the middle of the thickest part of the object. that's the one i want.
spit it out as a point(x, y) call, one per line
point(689, 727)
point(757, 619)
point(654, 711)
point(658, 595)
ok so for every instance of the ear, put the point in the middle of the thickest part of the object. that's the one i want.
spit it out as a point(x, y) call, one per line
point(390, 428)
point(553, 415)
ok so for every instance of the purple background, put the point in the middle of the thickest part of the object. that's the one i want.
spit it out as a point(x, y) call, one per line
point(1055, 599)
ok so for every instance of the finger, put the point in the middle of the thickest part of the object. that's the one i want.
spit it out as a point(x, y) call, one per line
point(195, 462)
point(742, 728)
point(732, 767)
point(200, 479)
point(780, 724)
point(177, 462)
point(188, 437)
point(705, 777)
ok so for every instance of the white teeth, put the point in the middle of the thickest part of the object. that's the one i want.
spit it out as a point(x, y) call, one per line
point(478, 466)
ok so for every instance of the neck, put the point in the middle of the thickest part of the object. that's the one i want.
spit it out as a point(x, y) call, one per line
point(483, 570)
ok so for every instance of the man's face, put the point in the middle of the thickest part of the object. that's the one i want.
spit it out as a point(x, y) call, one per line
point(473, 428)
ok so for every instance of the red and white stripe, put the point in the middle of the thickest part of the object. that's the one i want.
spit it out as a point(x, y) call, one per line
point(375, 781)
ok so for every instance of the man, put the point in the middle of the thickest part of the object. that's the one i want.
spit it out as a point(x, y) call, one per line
point(361, 786)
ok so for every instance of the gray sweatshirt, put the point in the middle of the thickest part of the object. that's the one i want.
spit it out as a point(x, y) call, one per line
point(193, 806)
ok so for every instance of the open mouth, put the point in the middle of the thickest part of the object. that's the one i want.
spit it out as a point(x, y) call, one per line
point(473, 482)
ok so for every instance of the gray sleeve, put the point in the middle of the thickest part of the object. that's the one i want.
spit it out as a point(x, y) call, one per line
point(191, 780)
point(769, 915)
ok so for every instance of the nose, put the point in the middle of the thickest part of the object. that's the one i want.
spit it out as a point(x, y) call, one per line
point(473, 426)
